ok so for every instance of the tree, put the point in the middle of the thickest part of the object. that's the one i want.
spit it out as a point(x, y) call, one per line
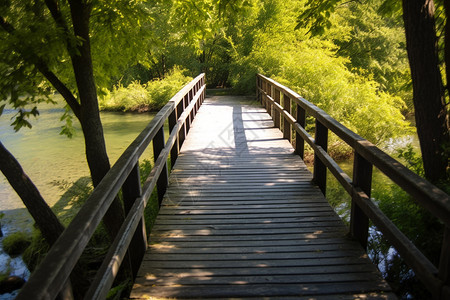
point(45, 219)
point(430, 101)
point(46, 45)
point(428, 90)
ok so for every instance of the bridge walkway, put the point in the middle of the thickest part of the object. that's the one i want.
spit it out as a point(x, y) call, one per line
point(241, 219)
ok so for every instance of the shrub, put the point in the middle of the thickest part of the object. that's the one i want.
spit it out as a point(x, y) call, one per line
point(151, 96)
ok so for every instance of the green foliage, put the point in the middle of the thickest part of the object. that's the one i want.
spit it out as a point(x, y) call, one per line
point(34, 45)
point(313, 68)
point(16, 243)
point(150, 96)
point(413, 160)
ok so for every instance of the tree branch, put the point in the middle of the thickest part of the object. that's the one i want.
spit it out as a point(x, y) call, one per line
point(55, 11)
point(44, 69)
point(61, 88)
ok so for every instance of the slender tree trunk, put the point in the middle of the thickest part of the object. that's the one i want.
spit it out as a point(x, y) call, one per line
point(45, 219)
point(428, 91)
point(447, 52)
point(96, 155)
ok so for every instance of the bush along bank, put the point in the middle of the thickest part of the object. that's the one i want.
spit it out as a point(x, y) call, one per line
point(150, 96)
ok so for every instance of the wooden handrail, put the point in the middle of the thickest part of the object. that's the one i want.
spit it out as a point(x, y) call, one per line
point(367, 155)
point(54, 271)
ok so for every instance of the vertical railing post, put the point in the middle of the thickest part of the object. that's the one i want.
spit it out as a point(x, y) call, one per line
point(257, 89)
point(276, 116)
point(287, 126)
point(299, 141)
point(194, 91)
point(182, 132)
point(444, 265)
point(173, 118)
point(163, 180)
point(131, 191)
point(204, 90)
point(320, 170)
point(362, 178)
point(191, 114)
point(188, 119)
point(268, 103)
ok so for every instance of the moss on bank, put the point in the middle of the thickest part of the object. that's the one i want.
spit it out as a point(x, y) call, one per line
point(16, 243)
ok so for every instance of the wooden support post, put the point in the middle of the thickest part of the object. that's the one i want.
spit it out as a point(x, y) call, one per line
point(191, 114)
point(287, 126)
point(188, 119)
point(163, 180)
point(362, 178)
point(182, 132)
point(444, 265)
point(173, 118)
point(199, 101)
point(268, 104)
point(258, 94)
point(320, 169)
point(264, 97)
point(276, 116)
point(131, 190)
point(299, 141)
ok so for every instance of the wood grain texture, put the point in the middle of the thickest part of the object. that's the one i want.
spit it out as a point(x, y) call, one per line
point(241, 219)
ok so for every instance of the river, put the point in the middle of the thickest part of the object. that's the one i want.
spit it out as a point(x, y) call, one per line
point(48, 158)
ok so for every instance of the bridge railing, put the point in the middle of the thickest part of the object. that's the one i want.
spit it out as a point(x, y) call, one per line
point(279, 101)
point(52, 276)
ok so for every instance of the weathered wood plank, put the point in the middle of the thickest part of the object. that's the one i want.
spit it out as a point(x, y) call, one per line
point(241, 219)
point(245, 290)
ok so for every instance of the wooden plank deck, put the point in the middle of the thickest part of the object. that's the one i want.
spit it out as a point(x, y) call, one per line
point(241, 219)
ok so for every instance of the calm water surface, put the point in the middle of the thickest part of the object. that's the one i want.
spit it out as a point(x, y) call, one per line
point(48, 157)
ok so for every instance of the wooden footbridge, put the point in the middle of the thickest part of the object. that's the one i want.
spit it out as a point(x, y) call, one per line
point(241, 216)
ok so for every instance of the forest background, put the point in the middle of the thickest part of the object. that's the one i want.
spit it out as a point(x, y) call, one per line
point(355, 67)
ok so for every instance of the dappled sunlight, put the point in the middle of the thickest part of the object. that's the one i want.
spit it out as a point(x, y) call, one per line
point(242, 219)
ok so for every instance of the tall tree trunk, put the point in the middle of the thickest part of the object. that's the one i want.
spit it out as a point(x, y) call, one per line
point(45, 219)
point(447, 52)
point(96, 155)
point(428, 91)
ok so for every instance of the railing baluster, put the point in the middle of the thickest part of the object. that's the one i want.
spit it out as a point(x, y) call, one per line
point(186, 101)
point(258, 94)
point(131, 190)
point(362, 178)
point(163, 180)
point(299, 141)
point(268, 104)
point(173, 117)
point(320, 169)
point(182, 133)
point(276, 97)
point(263, 98)
point(287, 126)
point(191, 114)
